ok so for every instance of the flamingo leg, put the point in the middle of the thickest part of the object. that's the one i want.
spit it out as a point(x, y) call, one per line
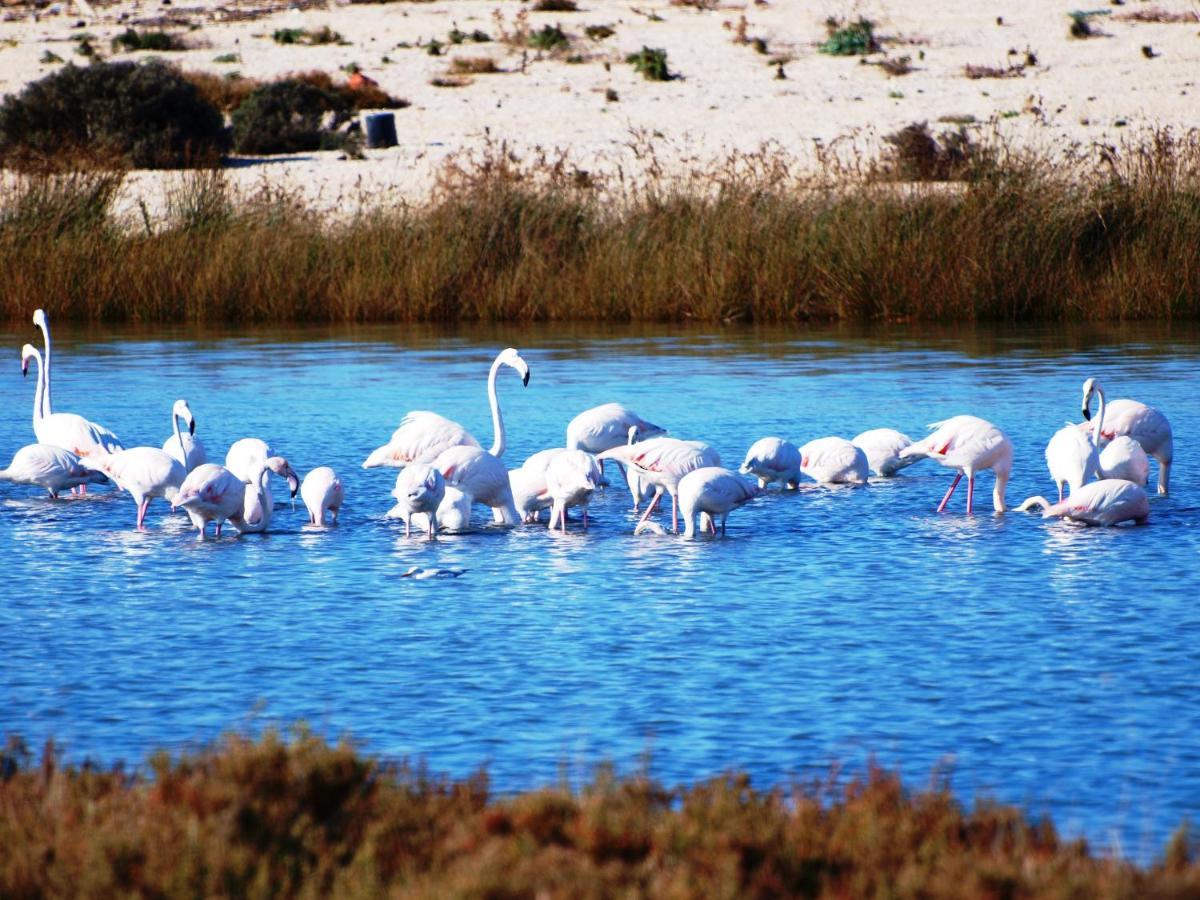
point(219, 524)
point(650, 508)
point(970, 493)
point(674, 514)
point(585, 522)
point(408, 525)
point(953, 485)
point(141, 517)
point(1060, 492)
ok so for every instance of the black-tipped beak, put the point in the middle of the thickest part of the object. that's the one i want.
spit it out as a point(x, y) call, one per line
point(192, 427)
point(1087, 413)
point(525, 379)
point(24, 371)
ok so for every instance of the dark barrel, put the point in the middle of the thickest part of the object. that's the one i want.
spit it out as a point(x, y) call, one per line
point(380, 130)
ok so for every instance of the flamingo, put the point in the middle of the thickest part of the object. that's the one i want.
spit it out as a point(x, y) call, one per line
point(1124, 458)
point(420, 488)
point(146, 472)
point(606, 426)
point(482, 477)
point(662, 461)
point(530, 493)
point(834, 460)
point(969, 444)
point(773, 459)
point(883, 447)
point(211, 493)
point(713, 492)
point(53, 468)
point(66, 430)
point(259, 505)
point(423, 435)
point(1073, 456)
point(246, 457)
point(1143, 423)
point(185, 447)
point(571, 479)
point(1110, 501)
point(322, 490)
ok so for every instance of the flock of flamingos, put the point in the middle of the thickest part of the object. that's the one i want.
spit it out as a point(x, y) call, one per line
point(444, 471)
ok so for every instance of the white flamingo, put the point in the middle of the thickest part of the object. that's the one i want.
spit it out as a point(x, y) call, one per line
point(713, 492)
point(662, 462)
point(423, 435)
point(109, 440)
point(480, 476)
point(834, 460)
point(530, 493)
point(52, 468)
point(259, 504)
point(322, 491)
point(883, 447)
point(773, 459)
point(145, 472)
point(969, 444)
point(1124, 458)
point(1110, 501)
point(211, 493)
point(420, 488)
point(246, 457)
point(1143, 423)
point(610, 425)
point(1073, 455)
point(65, 430)
point(185, 446)
point(571, 479)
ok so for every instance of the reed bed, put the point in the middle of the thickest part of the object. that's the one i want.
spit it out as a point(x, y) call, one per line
point(987, 236)
point(298, 817)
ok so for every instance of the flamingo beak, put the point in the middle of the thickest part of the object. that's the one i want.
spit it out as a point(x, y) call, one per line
point(1087, 413)
point(525, 379)
point(192, 427)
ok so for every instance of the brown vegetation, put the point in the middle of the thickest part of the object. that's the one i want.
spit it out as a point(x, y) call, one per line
point(1103, 238)
point(280, 818)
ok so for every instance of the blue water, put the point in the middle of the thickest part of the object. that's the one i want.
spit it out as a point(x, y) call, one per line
point(1040, 664)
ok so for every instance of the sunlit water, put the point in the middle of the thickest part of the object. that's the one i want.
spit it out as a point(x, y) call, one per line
point(1040, 664)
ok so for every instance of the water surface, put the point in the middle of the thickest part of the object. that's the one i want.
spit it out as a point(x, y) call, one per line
point(1041, 664)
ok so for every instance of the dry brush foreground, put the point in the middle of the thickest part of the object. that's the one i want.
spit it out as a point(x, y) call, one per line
point(299, 817)
point(942, 229)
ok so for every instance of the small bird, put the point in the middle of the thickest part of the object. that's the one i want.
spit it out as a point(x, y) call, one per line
point(322, 490)
point(420, 574)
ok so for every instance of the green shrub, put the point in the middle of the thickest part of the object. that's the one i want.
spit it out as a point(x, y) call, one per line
point(115, 114)
point(652, 63)
point(288, 116)
point(131, 39)
point(550, 37)
point(850, 39)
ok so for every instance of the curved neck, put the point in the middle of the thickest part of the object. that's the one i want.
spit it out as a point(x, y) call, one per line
point(1098, 427)
point(38, 410)
point(47, 406)
point(497, 419)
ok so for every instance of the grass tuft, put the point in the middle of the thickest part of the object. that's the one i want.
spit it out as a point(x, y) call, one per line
point(855, 38)
point(651, 63)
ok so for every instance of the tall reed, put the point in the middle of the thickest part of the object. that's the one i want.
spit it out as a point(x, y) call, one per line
point(1021, 239)
point(285, 818)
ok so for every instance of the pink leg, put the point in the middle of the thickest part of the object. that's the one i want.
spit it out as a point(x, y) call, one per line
point(650, 508)
point(953, 485)
point(142, 507)
point(970, 493)
point(674, 514)
point(1060, 496)
point(219, 524)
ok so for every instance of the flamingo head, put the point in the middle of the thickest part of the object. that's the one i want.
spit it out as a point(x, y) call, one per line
point(511, 357)
point(412, 570)
point(183, 411)
point(1089, 387)
point(283, 469)
point(40, 320)
point(28, 352)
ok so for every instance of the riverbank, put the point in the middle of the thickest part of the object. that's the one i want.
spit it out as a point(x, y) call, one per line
point(297, 817)
point(1109, 235)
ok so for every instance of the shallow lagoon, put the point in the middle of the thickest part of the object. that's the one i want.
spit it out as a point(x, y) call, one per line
point(1041, 664)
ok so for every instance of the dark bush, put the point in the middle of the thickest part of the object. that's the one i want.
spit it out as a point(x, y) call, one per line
point(110, 114)
point(132, 40)
point(288, 116)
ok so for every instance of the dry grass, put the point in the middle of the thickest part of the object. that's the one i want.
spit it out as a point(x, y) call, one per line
point(1009, 70)
point(1155, 14)
point(474, 65)
point(289, 818)
point(1106, 237)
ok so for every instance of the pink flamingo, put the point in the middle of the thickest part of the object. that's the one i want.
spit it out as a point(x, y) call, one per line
point(1143, 423)
point(1107, 502)
point(662, 462)
point(969, 444)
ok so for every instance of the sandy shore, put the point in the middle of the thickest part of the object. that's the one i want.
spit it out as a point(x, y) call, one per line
point(729, 96)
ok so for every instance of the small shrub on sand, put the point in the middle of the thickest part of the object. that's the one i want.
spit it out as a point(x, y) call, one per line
point(1081, 23)
point(289, 116)
point(124, 114)
point(132, 40)
point(1158, 15)
point(323, 35)
point(555, 6)
point(855, 38)
point(651, 63)
point(1011, 70)
point(916, 155)
point(473, 65)
point(449, 81)
point(599, 32)
point(549, 38)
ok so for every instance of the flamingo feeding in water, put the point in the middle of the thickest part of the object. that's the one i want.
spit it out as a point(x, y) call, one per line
point(834, 460)
point(713, 492)
point(482, 477)
point(883, 447)
point(1073, 455)
point(65, 430)
point(185, 446)
point(1143, 423)
point(1110, 501)
point(571, 479)
point(610, 425)
point(662, 462)
point(211, 493)
point(420, 488)
point(259, 504)
point(145, 472)
point(773, 459)
point(423, 436)
point(969, 444)
point(1124, 458)
point(52, 468)
point(246, 457)
point(322, 491)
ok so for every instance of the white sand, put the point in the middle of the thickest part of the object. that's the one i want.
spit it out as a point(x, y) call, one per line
point(728, 98)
